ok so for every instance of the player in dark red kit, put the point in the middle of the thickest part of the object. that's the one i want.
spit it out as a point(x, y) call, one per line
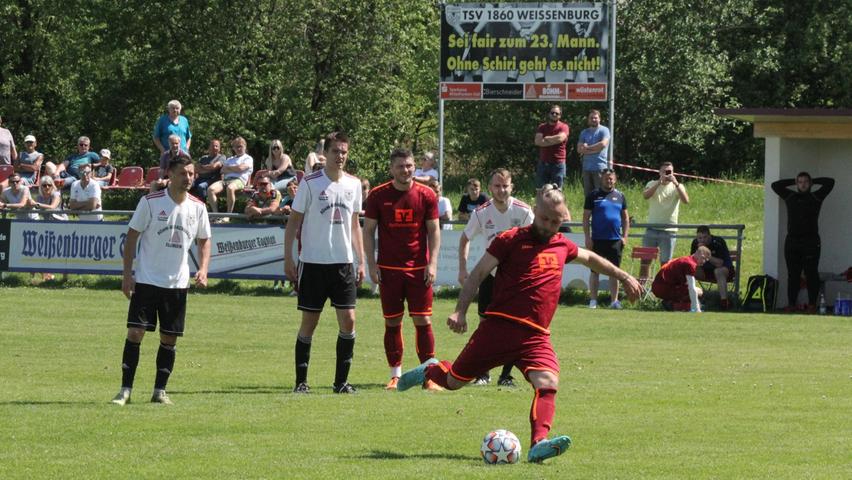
point(406, 216)
point(516, 327)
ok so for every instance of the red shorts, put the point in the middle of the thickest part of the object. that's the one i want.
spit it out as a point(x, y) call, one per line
point(400, 286)
point(497, 342)
point(671, 293)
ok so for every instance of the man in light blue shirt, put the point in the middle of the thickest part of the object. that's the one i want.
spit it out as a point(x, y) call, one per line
point(172, 123)
point(594, 147)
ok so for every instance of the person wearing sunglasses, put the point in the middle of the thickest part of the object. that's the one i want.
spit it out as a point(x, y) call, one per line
point(594, 147)
point(16, 197)
point(70, 168)
point(280, 167)
point(265, 200)
point(29, 161)
point(552, 139)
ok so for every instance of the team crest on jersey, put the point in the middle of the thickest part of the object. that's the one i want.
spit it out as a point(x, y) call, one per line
point(489, 224)
point(176, 240)
point(162, 216)
point(337, 217)
point(349, 194)
point(323, 196)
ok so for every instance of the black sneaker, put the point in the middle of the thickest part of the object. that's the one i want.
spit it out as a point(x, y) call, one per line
point(302, 388)
point(344, 388)
point(506, 382)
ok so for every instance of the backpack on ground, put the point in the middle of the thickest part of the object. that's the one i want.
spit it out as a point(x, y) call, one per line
point(761, 293)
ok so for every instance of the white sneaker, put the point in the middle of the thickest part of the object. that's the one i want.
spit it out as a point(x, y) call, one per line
point(593, 304)
point(160, 396)
point(616, 305)
point(123, 397)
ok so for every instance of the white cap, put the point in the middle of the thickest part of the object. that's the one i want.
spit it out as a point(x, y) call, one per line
point(106, 153)
point(29, 138)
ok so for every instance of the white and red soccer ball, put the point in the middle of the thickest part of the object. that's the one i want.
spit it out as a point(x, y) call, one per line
point(499, 447)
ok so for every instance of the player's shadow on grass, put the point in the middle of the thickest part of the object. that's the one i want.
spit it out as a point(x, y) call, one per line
point(238, 389)
point(47, 402)
point(388, 455)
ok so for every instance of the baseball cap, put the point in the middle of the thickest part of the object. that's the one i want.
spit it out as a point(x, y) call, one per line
point(106, 153)
point(29, 138)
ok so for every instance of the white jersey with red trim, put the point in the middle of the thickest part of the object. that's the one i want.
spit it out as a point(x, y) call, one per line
point(328, 206)
point(168, 231)
point(489, 221)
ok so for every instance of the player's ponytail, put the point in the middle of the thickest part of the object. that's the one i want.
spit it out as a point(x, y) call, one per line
point(551, 194)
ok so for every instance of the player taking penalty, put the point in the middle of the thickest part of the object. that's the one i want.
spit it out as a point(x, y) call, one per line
point(516, 325)
point(167, 222)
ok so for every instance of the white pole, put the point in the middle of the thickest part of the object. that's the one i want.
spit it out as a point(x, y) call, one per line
point(611, 89)
point(440, 139)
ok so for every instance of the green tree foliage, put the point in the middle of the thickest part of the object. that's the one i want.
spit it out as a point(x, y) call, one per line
point(294, 70)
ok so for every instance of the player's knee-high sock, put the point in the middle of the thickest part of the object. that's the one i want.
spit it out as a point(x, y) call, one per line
point(437, 372)
point(541, 413)
point(345, 347)
point(507, 371)
point(165, 365)
point(393, 345)
point(425, 341)
point(303, 357)
point(129, 362)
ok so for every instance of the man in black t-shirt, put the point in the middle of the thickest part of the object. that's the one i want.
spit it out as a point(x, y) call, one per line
point(719, 268)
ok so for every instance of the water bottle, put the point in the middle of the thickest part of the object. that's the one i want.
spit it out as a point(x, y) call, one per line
point(822, 307)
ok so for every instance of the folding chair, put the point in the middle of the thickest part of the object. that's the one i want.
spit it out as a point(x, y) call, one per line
point(152, 175)
point(650, 254)
point(130, 178)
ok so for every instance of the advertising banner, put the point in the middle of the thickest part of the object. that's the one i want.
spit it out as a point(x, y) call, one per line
point(238, 251)
point(507, 47)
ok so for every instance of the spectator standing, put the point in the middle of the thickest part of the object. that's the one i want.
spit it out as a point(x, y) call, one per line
point(104, 171)
point(86, 196)
point(8, 152)
point(264, 201)
point(69, 170)
point(326, 210)
point(172, 123)
point(472, 199)
point(552, 138)
point(166, 223)
point(405, 213)
point(16, 197)
point(236, 172)
point(529, 262)
point(606, 225)
point(209, 169)
point(719, 268)
point(594, 148)
point(29, 161)
point(802, 246)
point(664, 197)
point(501, 213)
point(280, 166)
point(427, 171)
point(675, 284)
point(445, 207)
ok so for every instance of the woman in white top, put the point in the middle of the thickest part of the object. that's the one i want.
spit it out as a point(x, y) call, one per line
point(48, 198)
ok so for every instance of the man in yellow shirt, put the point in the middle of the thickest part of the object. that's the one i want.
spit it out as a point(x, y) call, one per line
point(664, 196)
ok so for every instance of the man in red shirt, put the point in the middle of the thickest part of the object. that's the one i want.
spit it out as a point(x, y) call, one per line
point(552, 138)
point(406, 215)
point(516, 325)
point(675, 282)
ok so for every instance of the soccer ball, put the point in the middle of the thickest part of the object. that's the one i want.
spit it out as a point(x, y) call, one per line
point(500, 446)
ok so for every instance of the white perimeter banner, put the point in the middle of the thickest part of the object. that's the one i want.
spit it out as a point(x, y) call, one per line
point(251, 251)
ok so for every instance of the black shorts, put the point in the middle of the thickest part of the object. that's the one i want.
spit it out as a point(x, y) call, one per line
point(609, 249)
point(150, 303)
point(486, 293)
point(318, 282)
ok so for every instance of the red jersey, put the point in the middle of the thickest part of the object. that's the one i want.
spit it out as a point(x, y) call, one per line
point(402, 220)
point(529, 276)
point(675, 271)
point(554, 153)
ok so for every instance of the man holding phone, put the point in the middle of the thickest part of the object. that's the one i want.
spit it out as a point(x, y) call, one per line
point(664, 196)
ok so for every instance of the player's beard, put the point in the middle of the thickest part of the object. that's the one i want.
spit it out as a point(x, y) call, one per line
point(540, 236)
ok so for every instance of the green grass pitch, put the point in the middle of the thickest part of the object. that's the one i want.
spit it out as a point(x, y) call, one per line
point(642, 394)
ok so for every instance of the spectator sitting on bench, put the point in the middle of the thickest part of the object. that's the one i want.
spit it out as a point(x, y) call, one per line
point(235, 176)
point(719, 268)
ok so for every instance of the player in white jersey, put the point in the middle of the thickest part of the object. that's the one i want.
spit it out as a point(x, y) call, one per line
point(168, 222)
point(497, 215)
point(326, 209)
